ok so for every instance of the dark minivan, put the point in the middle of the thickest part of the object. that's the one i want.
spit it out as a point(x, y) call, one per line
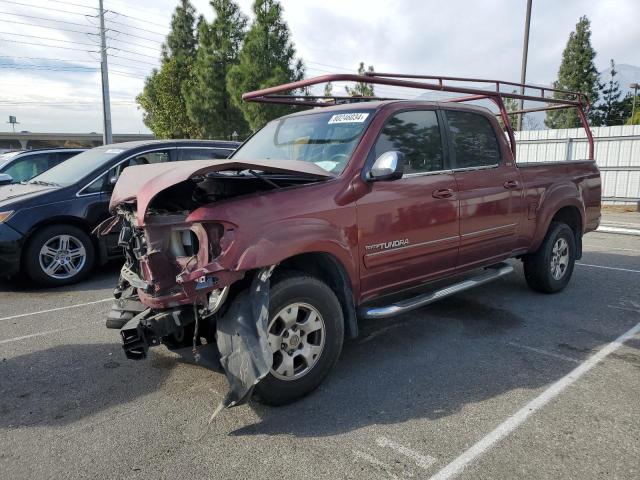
point(46, 223)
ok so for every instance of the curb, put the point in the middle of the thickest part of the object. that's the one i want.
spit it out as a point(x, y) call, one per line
point(619, 230)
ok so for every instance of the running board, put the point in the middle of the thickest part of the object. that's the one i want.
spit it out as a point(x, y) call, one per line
point(403, 306)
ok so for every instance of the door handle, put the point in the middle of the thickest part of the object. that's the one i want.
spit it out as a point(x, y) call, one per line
point(510, 184)
point(443, 193)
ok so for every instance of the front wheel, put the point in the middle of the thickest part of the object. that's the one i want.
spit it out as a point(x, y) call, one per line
point(58, 255)
point(305, 334)
point(550, 268)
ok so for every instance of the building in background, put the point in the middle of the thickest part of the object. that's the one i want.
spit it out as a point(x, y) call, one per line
point(29, 141)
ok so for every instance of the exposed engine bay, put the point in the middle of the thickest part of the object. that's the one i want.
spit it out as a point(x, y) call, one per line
point(177, 287)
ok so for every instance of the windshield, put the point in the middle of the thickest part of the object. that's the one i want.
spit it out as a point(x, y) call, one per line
point(325, 138)
point(77, 167)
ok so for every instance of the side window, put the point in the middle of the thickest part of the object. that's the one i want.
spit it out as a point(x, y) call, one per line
point(30, 166)
point(148, 158)
point(106, 182)
point(417, 135)
point(474, 140)
point(204, 153)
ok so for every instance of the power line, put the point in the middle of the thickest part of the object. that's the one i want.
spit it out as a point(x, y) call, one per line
point(51, 46)
point(133, 44)
point(131, 52)
point(130, 26)
point(52, 28)
point(132, 59)
point(136, 18)
point(74, 4)
point(47, 58)
point(45, 18)
point(46, 8)
point(48, 38)
point(134, 36)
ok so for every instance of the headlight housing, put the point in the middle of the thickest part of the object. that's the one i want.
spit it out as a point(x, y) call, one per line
point(4, 216)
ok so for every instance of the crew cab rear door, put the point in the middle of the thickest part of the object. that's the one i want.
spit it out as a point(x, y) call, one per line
point(408, 228)
point(490, 188)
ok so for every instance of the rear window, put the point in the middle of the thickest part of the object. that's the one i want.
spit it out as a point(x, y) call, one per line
point(474, 140)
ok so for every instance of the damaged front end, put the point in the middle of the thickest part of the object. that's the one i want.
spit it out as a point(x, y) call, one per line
point(180, 285)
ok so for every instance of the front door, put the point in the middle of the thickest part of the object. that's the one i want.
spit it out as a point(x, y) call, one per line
point(490, 190)
point(408, 228)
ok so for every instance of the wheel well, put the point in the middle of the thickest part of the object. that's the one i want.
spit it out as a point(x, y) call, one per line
point(327, 268)
point(75, 222)
point(571, 216)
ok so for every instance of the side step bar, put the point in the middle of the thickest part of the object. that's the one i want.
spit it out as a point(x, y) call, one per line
point(403, 306)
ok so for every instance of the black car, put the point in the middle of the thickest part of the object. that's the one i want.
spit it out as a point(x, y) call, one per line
point(46, 223)
point(23, 165)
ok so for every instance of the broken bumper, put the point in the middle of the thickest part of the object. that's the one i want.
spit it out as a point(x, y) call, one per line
point(240, 349)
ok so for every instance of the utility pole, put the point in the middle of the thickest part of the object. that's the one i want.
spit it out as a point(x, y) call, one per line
point(525, 51)
point(107, 137)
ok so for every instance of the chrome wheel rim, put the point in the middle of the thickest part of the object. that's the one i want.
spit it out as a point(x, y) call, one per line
point(62, 256)
point(296, 337)
point(559, 258)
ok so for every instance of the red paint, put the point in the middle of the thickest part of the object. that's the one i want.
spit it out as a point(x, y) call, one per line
point(484, 216)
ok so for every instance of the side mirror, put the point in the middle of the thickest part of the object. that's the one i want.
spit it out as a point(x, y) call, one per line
point(5, 179)
point(388, 166)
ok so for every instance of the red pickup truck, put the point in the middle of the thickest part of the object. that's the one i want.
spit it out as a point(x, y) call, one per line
point(260, 265)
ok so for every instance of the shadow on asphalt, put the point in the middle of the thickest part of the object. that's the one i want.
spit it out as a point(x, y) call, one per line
point(64, 384)
point(100, 278)
point(436, 361)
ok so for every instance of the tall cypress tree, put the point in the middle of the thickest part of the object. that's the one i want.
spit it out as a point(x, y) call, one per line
point(266, 60)
point(577, 73)
point(162, 99)
point(208, 101)
point(612, 109)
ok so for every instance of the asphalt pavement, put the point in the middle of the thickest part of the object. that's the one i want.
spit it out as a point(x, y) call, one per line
point(498, 382)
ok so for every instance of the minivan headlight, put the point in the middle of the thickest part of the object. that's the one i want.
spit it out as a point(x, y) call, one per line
point(4, 216)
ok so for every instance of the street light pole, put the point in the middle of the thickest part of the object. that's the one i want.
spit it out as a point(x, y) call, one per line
point(525, 52)
point(107, 137)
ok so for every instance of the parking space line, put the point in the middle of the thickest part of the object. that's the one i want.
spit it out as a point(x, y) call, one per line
point(544, 352)
point(40, 312)
point(456, 467)
point(423, 461)
point(39, 334)
point(607, 268)
point(375, 462)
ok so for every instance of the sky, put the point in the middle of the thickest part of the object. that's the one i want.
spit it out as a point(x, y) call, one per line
point(49, 78)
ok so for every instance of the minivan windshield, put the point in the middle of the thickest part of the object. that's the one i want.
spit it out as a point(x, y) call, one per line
point(77, 167)
point(324, 138)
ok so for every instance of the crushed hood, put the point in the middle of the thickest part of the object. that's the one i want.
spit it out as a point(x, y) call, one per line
point(141, 183)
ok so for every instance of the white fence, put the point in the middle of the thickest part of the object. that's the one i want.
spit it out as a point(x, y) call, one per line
point(617, 153)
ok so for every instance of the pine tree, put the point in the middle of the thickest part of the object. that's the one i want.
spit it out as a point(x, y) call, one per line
point(577, 73)
point(328, 89)
point(611, 110)
point(162, 99)
point(266, 59)
point(511, 105)
point(209, 104)
point(361, 89)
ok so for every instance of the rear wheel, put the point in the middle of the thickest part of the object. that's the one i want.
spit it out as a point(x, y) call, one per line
point(550, 268)
point(58, 255)
point(305, 333)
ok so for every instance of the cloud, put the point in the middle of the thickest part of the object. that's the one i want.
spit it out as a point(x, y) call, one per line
point(453, 37)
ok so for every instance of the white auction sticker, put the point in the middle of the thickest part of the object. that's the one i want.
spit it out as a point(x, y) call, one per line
point(114, 150)
point(358, 117)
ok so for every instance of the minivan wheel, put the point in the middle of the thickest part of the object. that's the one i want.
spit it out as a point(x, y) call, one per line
point(550, 268)
point(58, 255)
point(305, 334)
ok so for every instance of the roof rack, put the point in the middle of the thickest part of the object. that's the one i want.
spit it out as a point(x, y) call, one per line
point(494, 90)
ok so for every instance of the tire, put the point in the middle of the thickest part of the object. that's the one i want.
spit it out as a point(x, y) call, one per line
point(543, 269)
point(47, 246)
point(310, 298)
